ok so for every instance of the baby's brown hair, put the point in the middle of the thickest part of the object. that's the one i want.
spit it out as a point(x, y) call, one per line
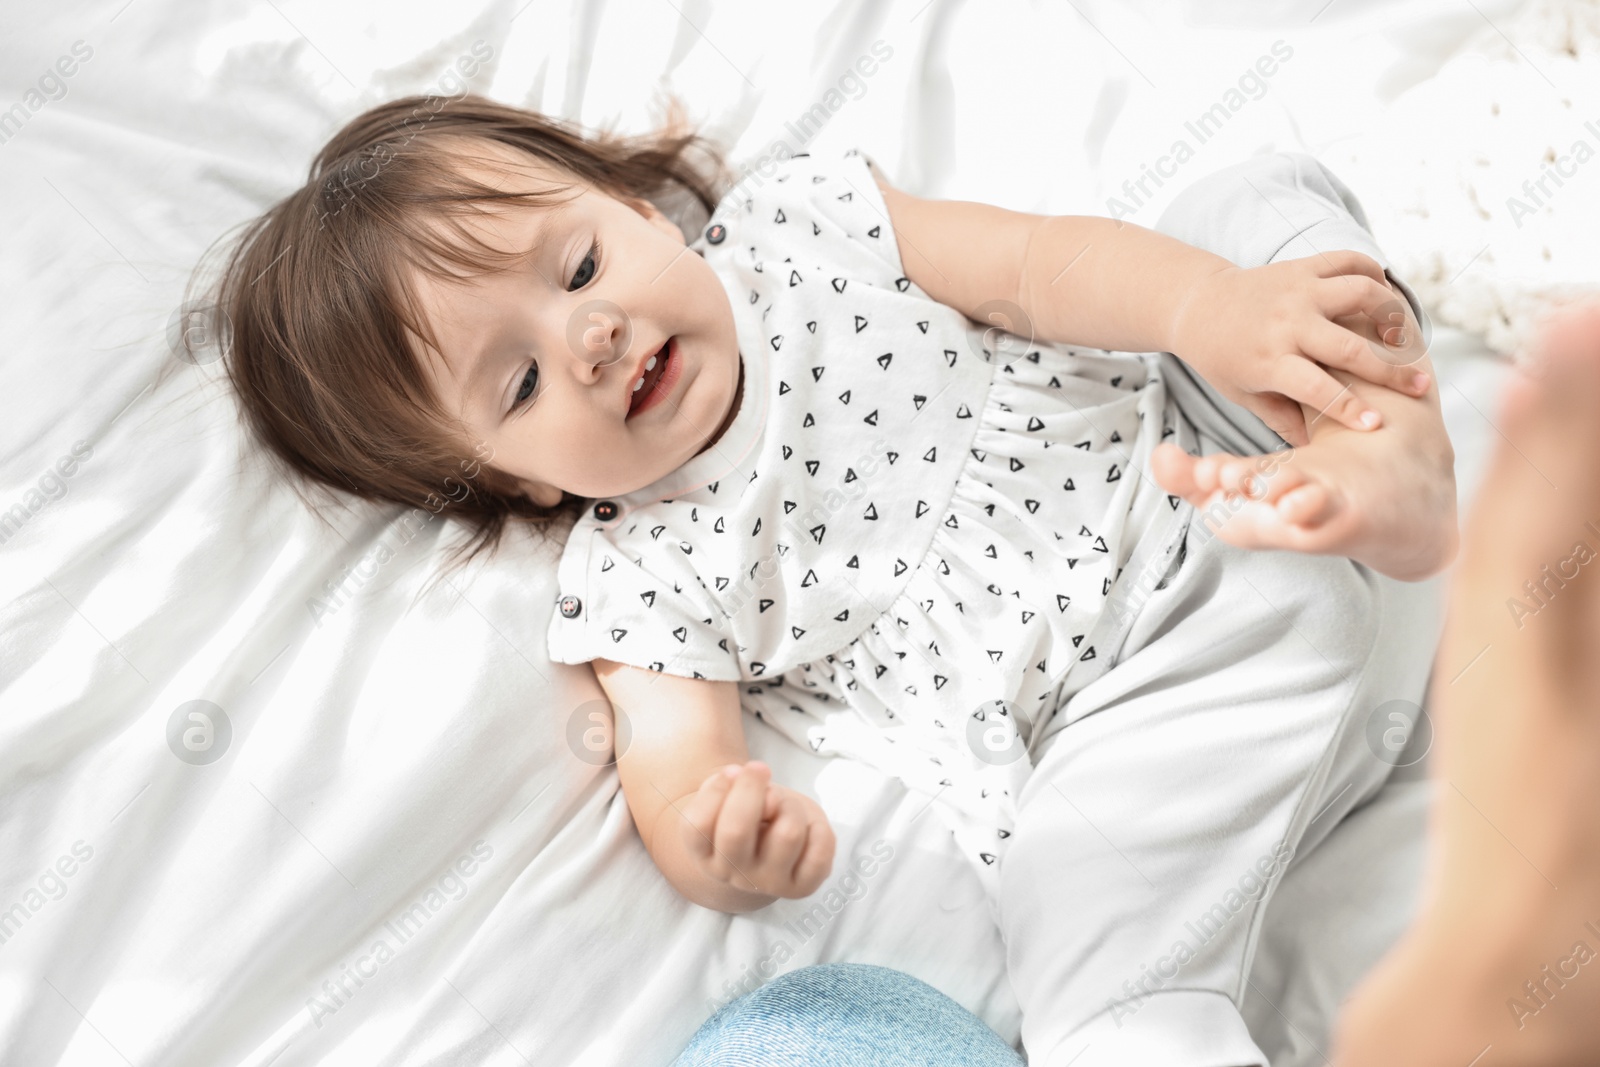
point(314, 303)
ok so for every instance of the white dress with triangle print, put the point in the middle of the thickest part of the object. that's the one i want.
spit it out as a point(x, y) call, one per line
point(904, 540)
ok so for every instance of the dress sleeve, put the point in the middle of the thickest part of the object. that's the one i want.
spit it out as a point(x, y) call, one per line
point(831, 210)
point(646, 608)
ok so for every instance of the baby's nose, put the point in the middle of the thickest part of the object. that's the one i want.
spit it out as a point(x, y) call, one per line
point(599, 333)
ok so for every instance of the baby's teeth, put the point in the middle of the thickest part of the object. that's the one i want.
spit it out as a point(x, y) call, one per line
point(650, 365)
point(638, 385)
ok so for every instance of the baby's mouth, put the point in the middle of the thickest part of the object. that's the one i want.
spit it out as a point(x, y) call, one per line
point(655, 366)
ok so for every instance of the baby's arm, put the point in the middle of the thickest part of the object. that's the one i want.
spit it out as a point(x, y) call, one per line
point(1264, 335)
point(1386, 499)
point(716, 825)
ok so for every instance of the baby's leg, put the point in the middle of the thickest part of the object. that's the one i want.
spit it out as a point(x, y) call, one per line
point(1384, 497)
point(1229, 738)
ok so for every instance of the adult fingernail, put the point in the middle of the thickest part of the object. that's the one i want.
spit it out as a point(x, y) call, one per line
point(1369, 419)
point(1395, 335)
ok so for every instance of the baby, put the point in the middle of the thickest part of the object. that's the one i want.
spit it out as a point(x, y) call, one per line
point(802, 480)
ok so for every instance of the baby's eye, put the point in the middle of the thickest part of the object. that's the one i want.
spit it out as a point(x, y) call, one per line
point(527, 387)
point(592, 261)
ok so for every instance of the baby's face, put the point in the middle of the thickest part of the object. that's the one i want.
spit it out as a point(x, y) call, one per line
point(541, 360)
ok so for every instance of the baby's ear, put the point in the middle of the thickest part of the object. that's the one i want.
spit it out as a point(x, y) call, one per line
point(546, 496)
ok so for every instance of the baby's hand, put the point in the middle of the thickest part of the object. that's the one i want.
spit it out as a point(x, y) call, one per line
point(1385, 499)
point(745, 831)
point(1263, 336)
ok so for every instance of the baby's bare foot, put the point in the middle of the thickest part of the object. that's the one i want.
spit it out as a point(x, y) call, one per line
point(1378, 498)
point(1384, 497)
point(1507, 953)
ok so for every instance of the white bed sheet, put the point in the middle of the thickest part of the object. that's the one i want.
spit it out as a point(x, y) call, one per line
point(230, 912)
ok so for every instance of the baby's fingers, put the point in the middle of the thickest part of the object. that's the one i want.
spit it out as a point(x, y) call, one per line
point(1352, 294)
point(782, 841)
point(1374, 334)
point(1385, 319)
point(1380, 346)
point(700, 812)
point(816, 862)
point(1302, 379)
point(1282, 416)
point(1345, 261)
point(739, 824)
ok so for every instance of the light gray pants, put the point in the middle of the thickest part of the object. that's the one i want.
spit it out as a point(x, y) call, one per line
point(1228, 734)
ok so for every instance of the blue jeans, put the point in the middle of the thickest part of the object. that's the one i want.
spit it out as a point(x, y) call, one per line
point(845, 1015)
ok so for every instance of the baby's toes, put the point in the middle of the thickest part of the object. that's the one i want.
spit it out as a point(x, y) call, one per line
point(1207, 472)
point(1237, 474)
point(1177, 472)
point(1307, 505)
point(1249, 477)
point(1261, 526)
